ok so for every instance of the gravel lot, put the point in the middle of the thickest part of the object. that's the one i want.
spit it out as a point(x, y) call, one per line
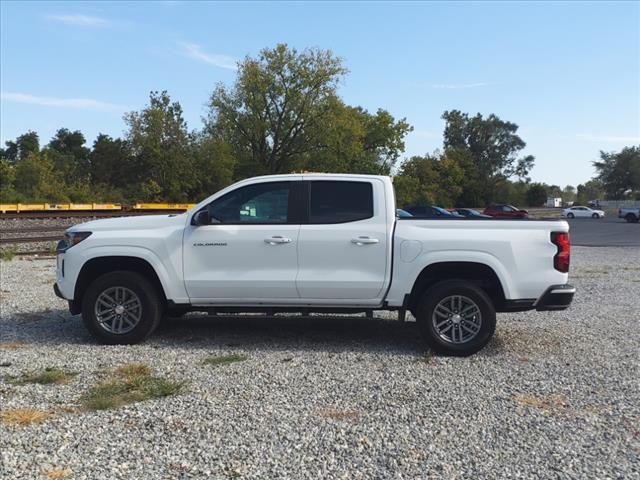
point(555, 395)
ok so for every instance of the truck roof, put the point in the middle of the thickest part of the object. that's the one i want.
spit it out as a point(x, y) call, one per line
point(317, 174)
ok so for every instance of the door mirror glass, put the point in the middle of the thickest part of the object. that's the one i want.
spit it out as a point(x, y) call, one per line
point(202, 218)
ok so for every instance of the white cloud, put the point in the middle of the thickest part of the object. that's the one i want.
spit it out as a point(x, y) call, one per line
point(592, 137)
point(80, 20)
point(194, 51)
point(79, 103)
point(456, 86)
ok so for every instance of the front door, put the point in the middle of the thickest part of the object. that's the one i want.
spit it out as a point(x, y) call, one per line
point(249, 251)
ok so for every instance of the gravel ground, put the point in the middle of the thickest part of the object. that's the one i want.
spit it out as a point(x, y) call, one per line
point(554, 395)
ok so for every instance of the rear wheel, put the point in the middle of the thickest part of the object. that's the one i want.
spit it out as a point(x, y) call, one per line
point(121, 308)
point(570, 215)
point(455, 317)
point(631, 218)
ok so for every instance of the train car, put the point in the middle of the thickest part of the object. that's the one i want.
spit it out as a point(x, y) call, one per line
point(163, 206)
point(55, 207)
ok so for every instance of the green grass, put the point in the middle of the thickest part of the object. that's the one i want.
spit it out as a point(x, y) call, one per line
point(8, 253)
point(217, 360)
point(426, 358)
point(129, 384)
point(48, 376)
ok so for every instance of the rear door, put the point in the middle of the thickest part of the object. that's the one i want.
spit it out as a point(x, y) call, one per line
point(248, 253)
point(342, 250)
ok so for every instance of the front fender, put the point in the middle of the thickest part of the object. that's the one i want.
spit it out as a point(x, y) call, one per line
point(169, 277)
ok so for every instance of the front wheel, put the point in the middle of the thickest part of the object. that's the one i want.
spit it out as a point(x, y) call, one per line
point(570, 215)
point(121, 308)
point(595, 215)
point(631, 218)
point(455, 317)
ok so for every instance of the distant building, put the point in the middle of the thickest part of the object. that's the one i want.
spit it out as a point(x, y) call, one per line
point(553, 202)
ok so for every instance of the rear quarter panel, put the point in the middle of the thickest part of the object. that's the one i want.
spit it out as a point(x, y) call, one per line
point(519, 252)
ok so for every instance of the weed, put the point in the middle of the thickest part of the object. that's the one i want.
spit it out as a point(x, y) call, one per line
point(552, 403)
point(45, 377)
point(24, 416)
point(58, 473)
point(130, 383)
point(217, 360)
point(426, 358)
point(133, 370)
point(12, 345)
point(8, 253)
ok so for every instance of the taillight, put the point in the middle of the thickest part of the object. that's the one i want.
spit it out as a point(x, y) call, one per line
point(561, 259)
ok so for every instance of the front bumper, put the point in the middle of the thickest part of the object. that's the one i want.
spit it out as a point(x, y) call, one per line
point(57, 291)
point(556, 297)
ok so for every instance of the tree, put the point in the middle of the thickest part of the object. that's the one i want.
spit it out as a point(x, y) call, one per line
point(279, 102)
point(356, 141)
point(591, 190)
point(111, 166)
point(214, 163)
point(493, 147)
point(69, 154)
point(569, 194)
point(536, 195)
point(37, 179)
point(432, 179)
point(160, 151)
point(620, 173)
point(24, 145)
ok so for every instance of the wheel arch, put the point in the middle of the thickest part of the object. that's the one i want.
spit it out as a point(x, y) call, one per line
point(97, 266)
point(479, 274)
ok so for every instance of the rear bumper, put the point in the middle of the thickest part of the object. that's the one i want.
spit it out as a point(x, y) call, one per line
point(556, 297)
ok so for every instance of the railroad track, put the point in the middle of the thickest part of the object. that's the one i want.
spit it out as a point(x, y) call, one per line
point(56, 228)
point(85, 214)
point(45, 238)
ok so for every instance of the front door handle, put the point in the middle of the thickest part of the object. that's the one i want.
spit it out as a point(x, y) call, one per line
point(364, 240)
point(277, 240)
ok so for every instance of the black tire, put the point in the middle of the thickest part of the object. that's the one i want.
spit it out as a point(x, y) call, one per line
point(570, 215)
point(151, 307)
point(631, 218)
point(441, 291)
point(595, 215)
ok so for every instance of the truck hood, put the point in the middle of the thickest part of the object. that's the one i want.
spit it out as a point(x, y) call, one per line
point(135, 222)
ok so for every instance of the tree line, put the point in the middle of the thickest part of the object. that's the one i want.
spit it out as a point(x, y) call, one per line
point(283, 114)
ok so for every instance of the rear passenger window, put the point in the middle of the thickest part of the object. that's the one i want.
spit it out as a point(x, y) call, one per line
point(340, 202)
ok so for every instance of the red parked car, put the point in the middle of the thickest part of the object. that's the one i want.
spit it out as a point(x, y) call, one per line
point(505, 211)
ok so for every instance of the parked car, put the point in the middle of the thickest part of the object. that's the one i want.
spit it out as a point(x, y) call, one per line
point(470, 213)
point(428, 211)
point(312, 242)
point(505, 211)
point(582, 212)
point(631, 215)
point(400, 213)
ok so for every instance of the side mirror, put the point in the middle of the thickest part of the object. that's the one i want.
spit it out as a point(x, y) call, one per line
point(202, 218)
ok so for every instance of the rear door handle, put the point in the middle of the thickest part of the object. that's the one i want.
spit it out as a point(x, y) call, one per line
point(364, 240)
point(276, 240)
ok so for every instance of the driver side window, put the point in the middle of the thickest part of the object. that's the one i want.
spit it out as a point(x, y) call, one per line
point(260, 203)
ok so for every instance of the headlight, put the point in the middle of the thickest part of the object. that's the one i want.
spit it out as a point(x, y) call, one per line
point(70, 239)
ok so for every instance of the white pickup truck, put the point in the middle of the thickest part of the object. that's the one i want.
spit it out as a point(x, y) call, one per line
point(312, 242)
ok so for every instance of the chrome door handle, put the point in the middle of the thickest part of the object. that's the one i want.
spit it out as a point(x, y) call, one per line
point(363, 240)
point(276, 240)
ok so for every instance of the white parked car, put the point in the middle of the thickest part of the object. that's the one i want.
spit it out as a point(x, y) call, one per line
point(313, 242)
point(582, 212)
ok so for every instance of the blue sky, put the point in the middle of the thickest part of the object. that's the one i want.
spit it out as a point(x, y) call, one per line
point(567, 73)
